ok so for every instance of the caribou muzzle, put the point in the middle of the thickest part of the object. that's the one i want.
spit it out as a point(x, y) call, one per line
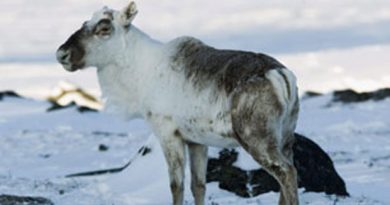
point(71, 53)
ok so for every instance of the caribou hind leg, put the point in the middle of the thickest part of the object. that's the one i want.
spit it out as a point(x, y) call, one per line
point(267, 153)
point(257, 118)
point(287, 144)
point(198, 164)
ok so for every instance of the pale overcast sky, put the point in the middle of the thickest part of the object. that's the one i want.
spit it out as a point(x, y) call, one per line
point(33, 29)
point(328, 44)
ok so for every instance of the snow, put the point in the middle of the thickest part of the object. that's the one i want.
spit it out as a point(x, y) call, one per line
point(328, 45)
point(39, 148)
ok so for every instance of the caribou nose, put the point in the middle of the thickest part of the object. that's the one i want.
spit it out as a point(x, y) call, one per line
point(63, 56)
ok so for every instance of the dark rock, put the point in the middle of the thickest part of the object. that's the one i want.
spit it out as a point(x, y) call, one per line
point(103, 147)
point(315, 172)
point(348, 96)
point(55, 106)
point(102, 133)
point(144, 150)
point(238, 185)
point(381, 94)
point(8, 93)
point(82, 109)
point(24, 200)
point(351, 96)
point(261, 182)
point(108, 134)
point(315, 168)
point(230, 178)
point(45, 156)
point(311, 94)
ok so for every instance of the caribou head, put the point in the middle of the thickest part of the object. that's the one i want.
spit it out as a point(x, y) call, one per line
point(88, 46)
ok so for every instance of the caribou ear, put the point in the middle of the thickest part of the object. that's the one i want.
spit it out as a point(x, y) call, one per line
point(128, 14)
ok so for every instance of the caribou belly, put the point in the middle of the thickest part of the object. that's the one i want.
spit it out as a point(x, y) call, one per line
point(217, 133)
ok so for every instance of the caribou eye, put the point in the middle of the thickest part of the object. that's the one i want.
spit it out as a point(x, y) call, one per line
point(103, 28)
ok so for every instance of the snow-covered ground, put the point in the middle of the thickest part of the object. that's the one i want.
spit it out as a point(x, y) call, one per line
point(39, 148)
point(328, 44)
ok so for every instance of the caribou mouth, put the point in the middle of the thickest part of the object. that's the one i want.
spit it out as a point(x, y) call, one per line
point(72, 67)
point(68, 67)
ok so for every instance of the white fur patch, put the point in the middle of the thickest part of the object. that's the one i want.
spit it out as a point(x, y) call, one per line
point(292, 80)
point(285, 87)
point(279, 85)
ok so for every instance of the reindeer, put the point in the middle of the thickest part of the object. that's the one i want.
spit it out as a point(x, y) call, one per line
point(193, 96)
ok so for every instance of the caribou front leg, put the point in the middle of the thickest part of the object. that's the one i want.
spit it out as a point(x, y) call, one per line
point(173, 146)
point(198, 164)
point(174, 151)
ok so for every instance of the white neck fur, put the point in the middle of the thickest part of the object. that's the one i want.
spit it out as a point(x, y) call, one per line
point(124, 83)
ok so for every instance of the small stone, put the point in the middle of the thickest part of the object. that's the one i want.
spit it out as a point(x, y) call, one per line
point(45, 156)
point(103, 147)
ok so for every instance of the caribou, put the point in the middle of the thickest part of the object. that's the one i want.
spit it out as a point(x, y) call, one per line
point(193, 96)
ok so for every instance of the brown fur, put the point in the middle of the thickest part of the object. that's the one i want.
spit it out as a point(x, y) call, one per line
point(225, 68)
point(254, 127)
